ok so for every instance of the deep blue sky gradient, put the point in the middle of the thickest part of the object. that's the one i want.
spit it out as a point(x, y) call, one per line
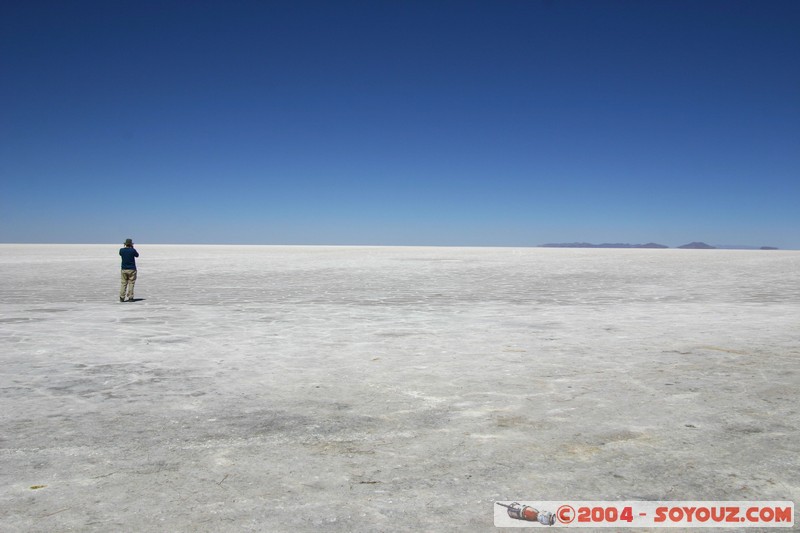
point(497, 122)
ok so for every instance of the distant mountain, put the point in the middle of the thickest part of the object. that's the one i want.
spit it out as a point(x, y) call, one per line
point(568, 245)
point(649, 245)
point(697, 246)
point(690, 246)
point(604, 245)
point(743, 247)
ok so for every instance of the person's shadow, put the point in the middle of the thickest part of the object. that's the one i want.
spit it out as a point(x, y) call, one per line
point(135, 300)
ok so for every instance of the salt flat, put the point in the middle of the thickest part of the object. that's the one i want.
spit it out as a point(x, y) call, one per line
point(388, 389)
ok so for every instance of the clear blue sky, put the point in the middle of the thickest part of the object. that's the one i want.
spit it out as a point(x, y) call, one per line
point(497, 122)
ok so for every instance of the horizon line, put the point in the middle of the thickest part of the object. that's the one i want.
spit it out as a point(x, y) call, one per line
point(602, 246)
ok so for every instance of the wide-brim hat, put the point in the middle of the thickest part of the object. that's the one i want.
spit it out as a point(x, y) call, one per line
point(128, 242)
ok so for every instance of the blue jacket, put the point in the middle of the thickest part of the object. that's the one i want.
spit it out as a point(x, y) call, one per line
point(128, 258)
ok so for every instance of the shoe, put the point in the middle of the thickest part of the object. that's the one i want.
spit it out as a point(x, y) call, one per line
point(122, 299)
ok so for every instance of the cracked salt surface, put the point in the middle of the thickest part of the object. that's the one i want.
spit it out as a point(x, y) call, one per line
point(366, 389)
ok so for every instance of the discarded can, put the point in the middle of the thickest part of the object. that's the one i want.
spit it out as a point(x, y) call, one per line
point(529, 514)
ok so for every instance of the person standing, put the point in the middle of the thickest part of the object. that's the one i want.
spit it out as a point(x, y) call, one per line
point(129, 255)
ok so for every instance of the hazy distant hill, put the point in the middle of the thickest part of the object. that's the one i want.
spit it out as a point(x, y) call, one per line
point(697, 246)
point(743, 247)
point(690, 246)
